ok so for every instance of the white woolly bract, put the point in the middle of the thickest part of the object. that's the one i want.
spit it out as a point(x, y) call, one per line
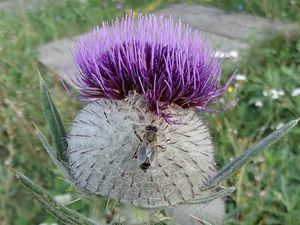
point(105, 136)
point(213, 212)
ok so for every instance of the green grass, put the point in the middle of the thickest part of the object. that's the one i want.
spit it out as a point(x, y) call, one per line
point(267, 188)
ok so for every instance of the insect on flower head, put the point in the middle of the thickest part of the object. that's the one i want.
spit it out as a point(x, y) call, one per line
point(140, 139)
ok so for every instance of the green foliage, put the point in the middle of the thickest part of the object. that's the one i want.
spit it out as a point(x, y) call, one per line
point(218, 194)
point(53, 153)
point(271, 64)
point(52, 117)
point(267, 189)
point(231, 168)
point(65, 215)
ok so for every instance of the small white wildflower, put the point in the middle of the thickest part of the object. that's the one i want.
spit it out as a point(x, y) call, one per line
point(265, 93)
point(259, 103)
point(296, 92)
point(233, 54)
point(63, 199)
point(43, 223)
point(280, 92)
point(279, 125)
point(241, 77)
point(220, 54)
point(7, 162)
point(275, 94)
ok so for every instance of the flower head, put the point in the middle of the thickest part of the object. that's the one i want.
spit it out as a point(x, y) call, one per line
point(141, 74)
point(164, 61)
point(110, 153)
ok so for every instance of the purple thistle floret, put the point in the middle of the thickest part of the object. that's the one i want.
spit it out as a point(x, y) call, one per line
point(164, 61)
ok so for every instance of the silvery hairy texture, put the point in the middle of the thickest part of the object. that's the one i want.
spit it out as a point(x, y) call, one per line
point(210, 213)
point(103, 141)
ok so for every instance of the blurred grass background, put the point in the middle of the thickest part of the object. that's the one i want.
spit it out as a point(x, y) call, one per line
point(267, 189)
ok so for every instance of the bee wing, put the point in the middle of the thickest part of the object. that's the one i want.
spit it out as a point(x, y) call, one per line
point(150, 151)
point(145, 152)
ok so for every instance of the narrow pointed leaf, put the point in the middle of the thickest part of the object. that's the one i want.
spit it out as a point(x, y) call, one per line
point(236, 164)
point(64, 214)
point(53, 155)
point(213, 196)
point(57, 130)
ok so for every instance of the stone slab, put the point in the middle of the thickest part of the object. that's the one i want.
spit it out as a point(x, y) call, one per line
point(222, 43)
point(57, 57)
point(232, 25)
point(6, 5)
point(13, 5)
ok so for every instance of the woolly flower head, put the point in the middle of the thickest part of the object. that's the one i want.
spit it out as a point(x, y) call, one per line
point(137, 75)
point(164, 61)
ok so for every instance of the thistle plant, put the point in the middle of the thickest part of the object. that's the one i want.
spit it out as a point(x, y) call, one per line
point(140, 138)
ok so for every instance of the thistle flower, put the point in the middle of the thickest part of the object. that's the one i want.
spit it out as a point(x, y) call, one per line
point(164, 61)
point(140, 139)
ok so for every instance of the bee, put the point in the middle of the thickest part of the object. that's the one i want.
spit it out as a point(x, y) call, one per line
point(147, 148)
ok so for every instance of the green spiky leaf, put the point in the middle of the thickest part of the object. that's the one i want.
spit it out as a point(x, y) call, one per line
point(64, 214)
point(53, 155)
point(236, 164)
point(213, 196)
point(53, 119)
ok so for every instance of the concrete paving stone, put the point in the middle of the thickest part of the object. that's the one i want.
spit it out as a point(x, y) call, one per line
point(57, 56)
point(13, 5)
point(216, 21)
point(223, 43)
